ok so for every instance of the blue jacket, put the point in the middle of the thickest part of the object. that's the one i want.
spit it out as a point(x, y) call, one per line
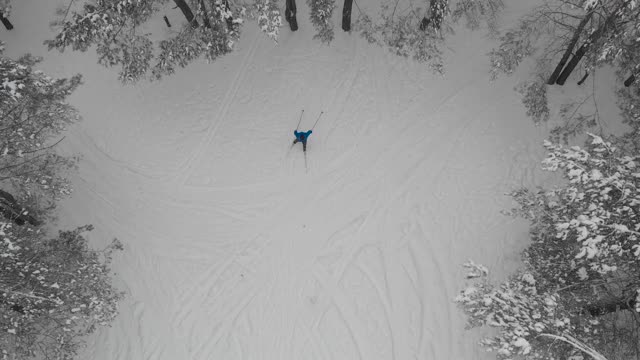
point(302, 136)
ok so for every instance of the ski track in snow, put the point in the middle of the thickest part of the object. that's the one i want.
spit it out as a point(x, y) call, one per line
point(210, 133)
point(234, 251)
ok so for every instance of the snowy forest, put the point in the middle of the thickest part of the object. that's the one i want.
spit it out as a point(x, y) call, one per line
point(484, 191)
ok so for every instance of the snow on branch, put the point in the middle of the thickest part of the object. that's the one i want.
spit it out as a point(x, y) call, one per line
point(321, 13)
point(581, 266)
point(269, 18)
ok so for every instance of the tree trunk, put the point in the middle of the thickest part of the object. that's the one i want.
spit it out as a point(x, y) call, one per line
point(7, 24)
point(229, 19)
point(586, 75)
point(595, 36)
point(11, 210)
point(15, 307)
point(567, 53)
point(581, 52)
point(7, 199)
point(11, 216)
point(346, 15)
point(186, 10)
point(205, 16)
point(608, 308)
point(424, 23)
point(573, 63)
point(290, 14)
point(629, 80)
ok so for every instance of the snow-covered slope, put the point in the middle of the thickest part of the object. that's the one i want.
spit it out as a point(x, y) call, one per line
point(235, 251)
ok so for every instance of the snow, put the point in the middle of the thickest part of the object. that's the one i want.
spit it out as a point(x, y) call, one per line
point(529, 279)
point(589, 4)
point(524, 344)
point(234, 251)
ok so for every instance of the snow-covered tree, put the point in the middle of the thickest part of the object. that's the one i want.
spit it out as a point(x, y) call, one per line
point(268, 16)
point(419, 33)
point(114, 28)
point(478, 12)
point(33, 114)
point(530, 324)
point(562, 34)
point(52, 291)
point(580, 281)
point(321, 12)
point(404, 35)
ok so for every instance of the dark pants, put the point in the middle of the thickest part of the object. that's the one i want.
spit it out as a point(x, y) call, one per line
point(304, 144)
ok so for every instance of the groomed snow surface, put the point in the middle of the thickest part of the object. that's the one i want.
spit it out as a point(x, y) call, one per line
point(233, 250)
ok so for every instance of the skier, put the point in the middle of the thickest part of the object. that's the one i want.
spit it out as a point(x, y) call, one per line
point(301, 137)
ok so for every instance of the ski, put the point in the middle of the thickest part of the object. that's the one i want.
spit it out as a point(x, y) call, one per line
point(306, 167)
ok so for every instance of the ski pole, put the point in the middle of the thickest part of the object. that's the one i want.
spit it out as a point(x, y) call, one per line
point(299, 121)
point(314, 125)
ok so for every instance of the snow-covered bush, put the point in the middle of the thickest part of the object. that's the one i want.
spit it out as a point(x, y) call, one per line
point(580, 281)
